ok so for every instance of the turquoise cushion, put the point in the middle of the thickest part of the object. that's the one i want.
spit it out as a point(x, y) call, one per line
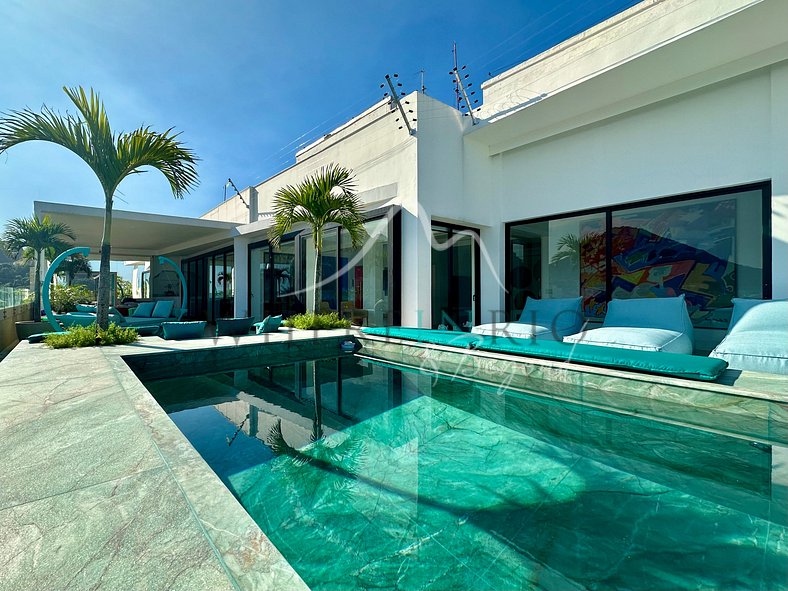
point(144, 310)
point(564, 315)
point(754, 350)
point(664, 313)
point(269, 324)
point(450, 338)
point(163, 309)
point(233, 326)
point(759, 315)
point(183, 330)
point(672, 364)
point(658, 362)
point(86, 308)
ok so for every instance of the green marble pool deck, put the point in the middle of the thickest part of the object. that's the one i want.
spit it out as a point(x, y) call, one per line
point(100, 490)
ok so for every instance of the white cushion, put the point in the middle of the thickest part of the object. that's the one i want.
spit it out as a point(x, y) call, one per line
point(642, 339)
point(516, 330)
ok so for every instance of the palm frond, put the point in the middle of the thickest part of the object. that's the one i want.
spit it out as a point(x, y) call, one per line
point(162, 151)
point(31, 235)
point(17, 127)
point(325, 197)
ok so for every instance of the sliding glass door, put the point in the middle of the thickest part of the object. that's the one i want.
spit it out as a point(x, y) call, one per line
point(272, 281)
point(455, 277)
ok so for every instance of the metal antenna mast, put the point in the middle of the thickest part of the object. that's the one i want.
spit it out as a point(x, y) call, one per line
point(462, 91)
point(456, 86)
point(395, 97)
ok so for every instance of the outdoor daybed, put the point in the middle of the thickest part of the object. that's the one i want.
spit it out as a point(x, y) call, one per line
point(757, 338)
point(550, 319)
point(645, 324)
point(147, 314)
point(672, 364)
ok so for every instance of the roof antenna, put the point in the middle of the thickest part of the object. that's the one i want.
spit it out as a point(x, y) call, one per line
point(457, 98)
point(230, 183)
point(462, 92)
point(423, 88)
point(395, 102)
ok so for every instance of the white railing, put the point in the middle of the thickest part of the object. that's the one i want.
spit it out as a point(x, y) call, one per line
point(11, 297)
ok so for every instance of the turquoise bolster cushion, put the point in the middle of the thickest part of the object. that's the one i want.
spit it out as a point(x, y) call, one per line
point(174, 331)
point(269, 324)
point(233, 326)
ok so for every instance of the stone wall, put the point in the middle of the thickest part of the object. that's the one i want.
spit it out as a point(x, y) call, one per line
point(8, 316)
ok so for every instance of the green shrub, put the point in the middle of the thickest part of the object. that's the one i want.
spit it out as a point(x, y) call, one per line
point(85, 336)
point(64, 298)
point(310, 321)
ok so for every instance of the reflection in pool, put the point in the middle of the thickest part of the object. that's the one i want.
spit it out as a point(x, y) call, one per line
point(390, 479)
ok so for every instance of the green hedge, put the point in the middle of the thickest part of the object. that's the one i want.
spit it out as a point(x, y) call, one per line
point(86, 336)
point(311, 321)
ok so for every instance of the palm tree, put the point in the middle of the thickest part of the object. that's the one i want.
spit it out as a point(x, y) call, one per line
point(31, 237)
point(111, 156)
point(73, 265)
point(326, 197)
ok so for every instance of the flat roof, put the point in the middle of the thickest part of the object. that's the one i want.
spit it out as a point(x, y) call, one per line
point(138, 235)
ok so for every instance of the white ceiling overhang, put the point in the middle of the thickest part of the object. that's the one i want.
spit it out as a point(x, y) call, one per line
point(139, 235)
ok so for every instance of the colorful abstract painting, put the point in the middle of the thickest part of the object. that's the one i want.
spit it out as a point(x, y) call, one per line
point(682, 248)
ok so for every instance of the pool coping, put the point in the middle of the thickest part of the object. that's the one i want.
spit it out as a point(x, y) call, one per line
point(742, 404)
point(52, 395)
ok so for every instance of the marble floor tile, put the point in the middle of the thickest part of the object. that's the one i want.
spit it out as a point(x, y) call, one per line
point(51, 449)
point(128, 534)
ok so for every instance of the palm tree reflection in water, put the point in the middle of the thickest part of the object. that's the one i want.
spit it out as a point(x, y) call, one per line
point(342, 460)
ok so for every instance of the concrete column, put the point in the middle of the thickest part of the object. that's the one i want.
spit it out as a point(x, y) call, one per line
point(416, 270)
point(254, 207)
point(241, 277)
point(779, 172)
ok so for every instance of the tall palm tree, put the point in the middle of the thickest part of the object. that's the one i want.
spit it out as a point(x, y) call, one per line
point(326, 197)
point(111, 156)
point(32, 237)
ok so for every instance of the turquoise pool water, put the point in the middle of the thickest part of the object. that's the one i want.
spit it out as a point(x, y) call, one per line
point(388, 479)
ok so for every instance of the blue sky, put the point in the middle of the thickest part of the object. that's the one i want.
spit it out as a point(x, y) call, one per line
point(245, 82)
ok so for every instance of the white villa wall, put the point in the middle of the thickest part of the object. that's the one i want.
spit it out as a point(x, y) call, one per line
point(727, 134)
point(383, 159)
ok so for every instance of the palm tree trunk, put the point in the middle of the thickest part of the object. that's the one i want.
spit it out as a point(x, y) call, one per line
point(37, 287)
point(317, 424)
point(318, 273)
point(102, 303)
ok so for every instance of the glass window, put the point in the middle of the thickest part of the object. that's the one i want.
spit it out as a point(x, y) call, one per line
point(559, 258)
point(363, 276)
point(709, 248)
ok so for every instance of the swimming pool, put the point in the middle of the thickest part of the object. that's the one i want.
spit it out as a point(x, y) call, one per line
point(388, 478)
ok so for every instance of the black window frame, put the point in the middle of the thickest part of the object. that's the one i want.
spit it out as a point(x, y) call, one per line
point(766, 210)
point(394, 214)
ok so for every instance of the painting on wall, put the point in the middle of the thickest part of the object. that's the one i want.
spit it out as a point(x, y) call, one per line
point(683, 248)
point(593, 265)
